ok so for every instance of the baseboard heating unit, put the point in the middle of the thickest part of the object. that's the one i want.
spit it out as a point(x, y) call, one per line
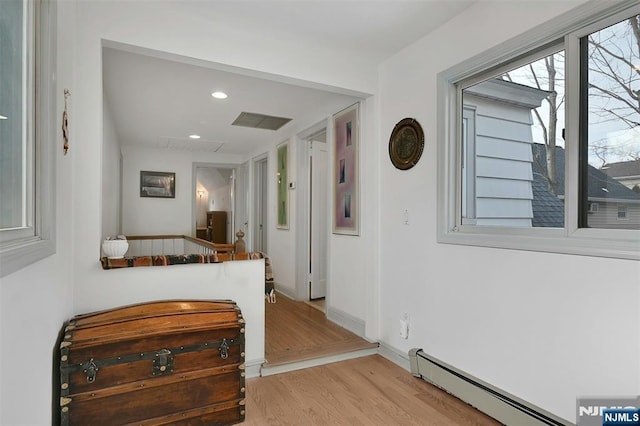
point(505, 408)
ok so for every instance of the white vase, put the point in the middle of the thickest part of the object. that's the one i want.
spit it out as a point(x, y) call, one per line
point(115, 249)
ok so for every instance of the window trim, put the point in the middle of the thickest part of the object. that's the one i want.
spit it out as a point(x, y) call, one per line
point(26, 228)
point(20, 252)
point(468, 156)
point(622, 209)
point(571, 239)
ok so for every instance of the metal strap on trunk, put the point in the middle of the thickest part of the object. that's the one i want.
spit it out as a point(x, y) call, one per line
point(92, 366)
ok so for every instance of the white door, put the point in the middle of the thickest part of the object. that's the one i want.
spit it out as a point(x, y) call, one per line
point(318, 175)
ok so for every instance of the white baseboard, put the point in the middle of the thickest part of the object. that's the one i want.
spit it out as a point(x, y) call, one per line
point(252, 368)
point(394, 355)
point(290, 293)
point(345, 320)
point(299, 365)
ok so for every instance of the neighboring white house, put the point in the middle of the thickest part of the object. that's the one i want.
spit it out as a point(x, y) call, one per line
point(625, 172)
point(497, 161)
point(503, 169)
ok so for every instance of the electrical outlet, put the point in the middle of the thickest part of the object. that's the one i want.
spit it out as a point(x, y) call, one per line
point(404, 327)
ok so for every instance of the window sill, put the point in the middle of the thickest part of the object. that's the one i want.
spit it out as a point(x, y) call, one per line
point(17, 256)
point(583, 242)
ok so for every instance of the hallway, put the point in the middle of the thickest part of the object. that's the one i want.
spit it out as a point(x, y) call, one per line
point(298, 335)
point(369, 390)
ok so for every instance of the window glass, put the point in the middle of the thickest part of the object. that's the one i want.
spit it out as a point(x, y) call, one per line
point(512, 156)
point(540, 136)
point(622, 212)
point(13, 118)
point(611, 125)
point(27, 132)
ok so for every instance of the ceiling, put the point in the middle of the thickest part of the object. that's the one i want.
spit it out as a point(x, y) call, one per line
point(158, 102)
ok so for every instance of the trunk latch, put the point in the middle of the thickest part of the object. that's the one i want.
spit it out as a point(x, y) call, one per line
point(91, 370)
point(163, 362)
point(224, 349)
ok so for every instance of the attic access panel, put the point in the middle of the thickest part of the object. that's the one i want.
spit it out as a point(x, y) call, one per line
point(260, 121)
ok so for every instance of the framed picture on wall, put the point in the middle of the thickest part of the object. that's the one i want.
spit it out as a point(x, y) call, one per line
point(157, 184)
point(282, 176)
point(346, 179)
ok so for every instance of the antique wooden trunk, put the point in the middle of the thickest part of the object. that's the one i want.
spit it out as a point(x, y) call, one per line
point(169, 362)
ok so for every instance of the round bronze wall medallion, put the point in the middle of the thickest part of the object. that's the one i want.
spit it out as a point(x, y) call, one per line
point(406, 144)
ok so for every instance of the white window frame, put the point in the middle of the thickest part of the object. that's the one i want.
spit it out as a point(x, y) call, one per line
point(567, 30)
point(622, 209)
point(468, 162)
point(24, 246)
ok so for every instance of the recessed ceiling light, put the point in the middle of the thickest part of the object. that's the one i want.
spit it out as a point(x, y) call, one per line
point(2, 117)
point(219, 95)
point(194, 136)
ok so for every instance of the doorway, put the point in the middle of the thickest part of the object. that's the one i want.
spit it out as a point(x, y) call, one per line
point(318, 229)
point(214, 188)
point(312, 215)
point(261, 174)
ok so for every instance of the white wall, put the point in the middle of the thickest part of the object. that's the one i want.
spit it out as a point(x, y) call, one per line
point(167, 27)
point(216, 183)
point(174, 27)
point(221, 198)
point(531, 334)
point(158, 216)
point(111, 225)
point(35, 301)
point(537, 325)
point(241, 281)
point(281, 242)
point(203, 31)
point(353, 272)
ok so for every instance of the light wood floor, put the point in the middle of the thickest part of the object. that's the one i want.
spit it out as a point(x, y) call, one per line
point(296, 331)
point(365, 391)
point(318, 304)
